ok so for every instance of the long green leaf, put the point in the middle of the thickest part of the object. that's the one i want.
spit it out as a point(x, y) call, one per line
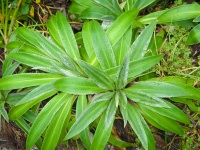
point(104, 127)
point(122, 74)
point(147, 99)
point(99, 13)
point(44, 45)
point(45, 117)
point(25, 127)
point(123, 46)
point(36, 61)
point(140, 45)
point(77, 6)
point(159, 89)
point(38, 92)
point(98, 76)
point(77, 85)
point(121, 25)
point(112, 5)
point(81, 104)
point(194, 36)
point(123, 106)
point(106, 96)
point(23, 80)
point(53, 132)
point(140, 128)
point(137, 67)
point(119, 143)
point(61, 32)
point(173, 112)
point(180, 13)
point(184, 83)
point(152, 17)
point(158, 121)
point(11, 69)
point(100, 44)
point(23, 47)
point(87, 116)
point(87, 39)
point(35, 96)
point(3, 111)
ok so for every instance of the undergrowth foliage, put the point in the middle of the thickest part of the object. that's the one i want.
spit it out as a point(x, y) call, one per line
point(100, 75)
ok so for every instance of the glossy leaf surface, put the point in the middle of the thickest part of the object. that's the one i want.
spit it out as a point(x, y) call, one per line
point(180, 13)
point(194, 36)
point(45, 117)
point(140, 128)
point(97, 76)
point(77, 85)
point(61, 32)
point(121, 25)
point(87, 116)
point(26, 80)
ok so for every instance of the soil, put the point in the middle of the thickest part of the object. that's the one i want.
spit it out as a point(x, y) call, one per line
point(13, 138)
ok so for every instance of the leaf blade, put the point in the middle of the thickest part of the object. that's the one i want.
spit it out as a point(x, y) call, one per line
point(77, 85)
point(27, 80)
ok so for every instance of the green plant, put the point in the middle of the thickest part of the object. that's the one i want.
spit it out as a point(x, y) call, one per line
point(177, 58)
point(108, 11)
point(10, 13)
point(101, 77)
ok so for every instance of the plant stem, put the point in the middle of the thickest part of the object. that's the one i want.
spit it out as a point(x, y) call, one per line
point(13, 17)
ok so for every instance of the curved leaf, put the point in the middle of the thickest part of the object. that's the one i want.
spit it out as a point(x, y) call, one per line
point(23, 80)
point(159, 89)
point(81, 104)
point(106, 96)
point(77, 85)
point(45, 117)
point(44, 45)
point(61, 32)
point(147, 99)
point(136, 67)
point(184, 83)
point(122, 47)
point(194, 36)
point(104, 127)
point(172, 112)
point(141, 44)
point(121, 25)
point(122, 74)
point(100, 44)
point(93, 111)
point(140, 128)
point(37, 95)
point(98, 76)
point(112, 5)
point(99, 13)
point(52, 134)
point(160, 121)
point(34, 60)
point(152, 17)
point(180, 13)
